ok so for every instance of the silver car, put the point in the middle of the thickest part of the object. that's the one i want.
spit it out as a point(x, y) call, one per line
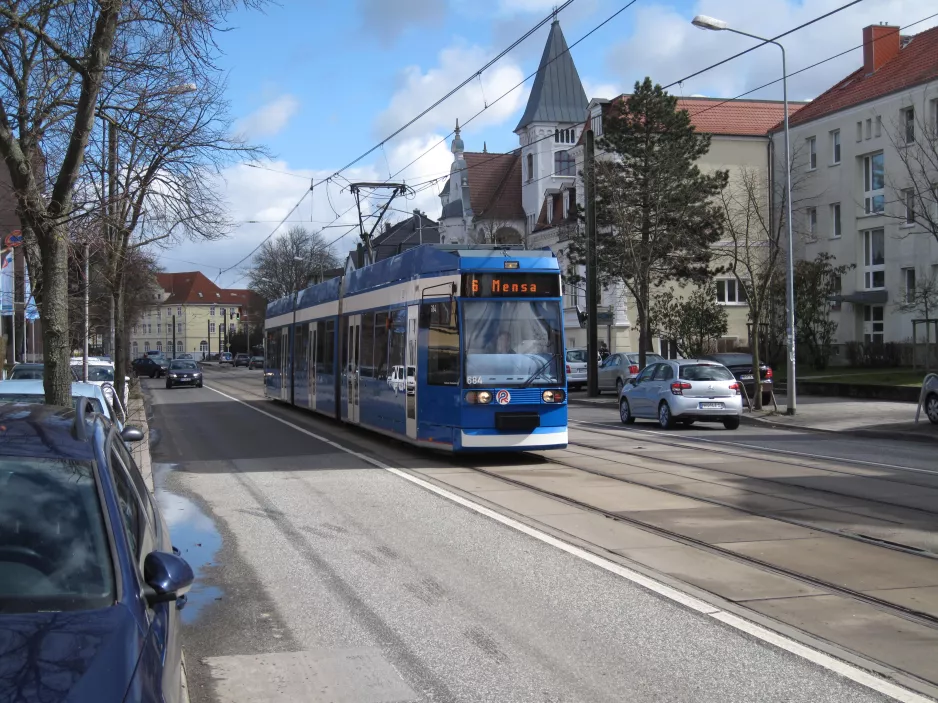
point(576, 368)
point(617, 369)
point(682, 391)
point(930, 404)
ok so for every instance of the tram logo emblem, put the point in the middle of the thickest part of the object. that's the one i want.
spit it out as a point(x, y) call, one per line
point(503, 397)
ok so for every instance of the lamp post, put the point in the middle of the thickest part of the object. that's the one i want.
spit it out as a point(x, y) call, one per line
point(715, 25)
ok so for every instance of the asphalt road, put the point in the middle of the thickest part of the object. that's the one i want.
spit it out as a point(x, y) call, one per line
point(323, 578)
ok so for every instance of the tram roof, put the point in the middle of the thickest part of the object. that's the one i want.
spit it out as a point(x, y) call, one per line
point(419, 262)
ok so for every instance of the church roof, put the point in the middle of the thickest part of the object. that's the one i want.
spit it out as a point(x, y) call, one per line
point(557, 94)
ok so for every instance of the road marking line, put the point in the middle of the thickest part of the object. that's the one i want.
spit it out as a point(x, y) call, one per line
point(723, 442)
point(826, 661)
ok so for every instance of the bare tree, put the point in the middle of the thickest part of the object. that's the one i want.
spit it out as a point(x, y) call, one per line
point(915, 183)
point(922, 299)
point(290, 263)
point(55, 57)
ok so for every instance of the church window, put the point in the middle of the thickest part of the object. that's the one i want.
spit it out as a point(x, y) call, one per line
point(556, 135)
point(564, 164)
point(530, 167)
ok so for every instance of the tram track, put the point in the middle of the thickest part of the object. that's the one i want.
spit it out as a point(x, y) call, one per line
point(471, 462)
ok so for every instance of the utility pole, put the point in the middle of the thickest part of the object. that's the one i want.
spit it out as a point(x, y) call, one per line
point(174, 336)
point(84, 350)
point(208, 338)
point(592, 331)
point(224, 326)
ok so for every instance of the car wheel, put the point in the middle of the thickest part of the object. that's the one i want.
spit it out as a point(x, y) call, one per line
point(618, 386)
point(625, 412)
point(665, 418)
point(931, 408)
point(200, 384)
point(152, 374)
point(731, 423)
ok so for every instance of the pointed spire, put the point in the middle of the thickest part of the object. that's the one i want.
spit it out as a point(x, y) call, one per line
point(458, 147)
point(485, 148)
point(557, 94)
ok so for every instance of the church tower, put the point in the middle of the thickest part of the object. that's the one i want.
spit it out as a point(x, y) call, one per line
point(551, 125)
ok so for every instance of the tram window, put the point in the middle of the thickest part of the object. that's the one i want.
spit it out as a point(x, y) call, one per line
point(328, 347)
point(381, 346)
point(366, 365)
point(442, 342)
point(320, 346)
point(343, 341)
point(398, 334)
point(273, 349)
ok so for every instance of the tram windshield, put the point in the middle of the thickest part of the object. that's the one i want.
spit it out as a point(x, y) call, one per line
point(513, 343)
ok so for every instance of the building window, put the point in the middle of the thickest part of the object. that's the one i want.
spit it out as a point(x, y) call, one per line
point(860, 131)
point(146, 347)
point(908, 123)
point(232, 312)
point(873, 325)
point(835, 220)
point(203, 346)
point(835, 146)
point(564, 164)
point(596, 123)
point(812, 222)
point(550, 209)
point(159, 313)
point(909, 197)
point(869, 128)
point(874, 259)
point(530, 171)
point(729, 292)
point(149, 329)
point(874, 200)
point(179, 345)
point(211, 328)
point(159, 346)
point(158, 327)
point(556, 136)
point(837, 286)
point(908, 279)
point(812, 153)
point(136, 349)
point(566, 204)
point(211, 311)
point(179, 309)
point(179, 327)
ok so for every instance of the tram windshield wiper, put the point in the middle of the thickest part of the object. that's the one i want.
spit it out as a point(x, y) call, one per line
point(540, 369)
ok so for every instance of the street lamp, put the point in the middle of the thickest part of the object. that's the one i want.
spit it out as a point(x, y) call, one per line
point(715, 25)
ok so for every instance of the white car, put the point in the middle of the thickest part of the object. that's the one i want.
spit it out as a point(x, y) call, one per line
point(101, 373)
point(34, 392)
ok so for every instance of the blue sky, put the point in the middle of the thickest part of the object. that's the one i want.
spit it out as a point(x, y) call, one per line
point(319, 82)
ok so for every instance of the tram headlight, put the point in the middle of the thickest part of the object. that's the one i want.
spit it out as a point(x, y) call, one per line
point(479, 397)
point(553, 396)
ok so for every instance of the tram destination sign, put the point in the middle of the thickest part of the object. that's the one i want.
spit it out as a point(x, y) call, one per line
point(511, 285)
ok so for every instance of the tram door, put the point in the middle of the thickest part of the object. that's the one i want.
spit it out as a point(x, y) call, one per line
point(285, 377)
point(410, 370)
point(354, 339)
point(311, 362)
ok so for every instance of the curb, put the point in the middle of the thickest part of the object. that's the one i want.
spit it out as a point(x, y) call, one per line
point(870, 434)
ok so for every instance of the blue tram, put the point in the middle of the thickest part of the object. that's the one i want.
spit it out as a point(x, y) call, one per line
point(443, 347)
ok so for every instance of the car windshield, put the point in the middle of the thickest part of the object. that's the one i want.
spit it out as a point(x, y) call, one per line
point(53, 548)
point(577, 356)
point(189, 365)
point(101, 374)
point(734, 359)
point(26, 373)
point(705, 372)
point(506, 341)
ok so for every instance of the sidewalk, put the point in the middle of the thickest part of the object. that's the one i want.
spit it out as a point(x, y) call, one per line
point(871, 418)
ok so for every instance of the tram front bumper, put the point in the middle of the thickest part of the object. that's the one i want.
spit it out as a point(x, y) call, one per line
point(493, 440)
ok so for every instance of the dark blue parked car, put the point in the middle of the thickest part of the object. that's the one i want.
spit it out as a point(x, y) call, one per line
point(89, 582)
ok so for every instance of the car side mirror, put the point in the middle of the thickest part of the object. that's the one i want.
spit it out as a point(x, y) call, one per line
point(633, 381)
point(167, 577)
point(131, 434)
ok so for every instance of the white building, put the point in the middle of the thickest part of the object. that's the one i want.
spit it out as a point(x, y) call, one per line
point(856, 200)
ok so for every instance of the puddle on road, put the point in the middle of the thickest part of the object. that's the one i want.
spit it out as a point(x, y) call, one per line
point(195, 536)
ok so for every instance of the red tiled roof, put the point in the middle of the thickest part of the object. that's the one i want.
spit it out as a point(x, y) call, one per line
point(916, 63)
point(193, 287)
point(727, 117)
point(495, 185)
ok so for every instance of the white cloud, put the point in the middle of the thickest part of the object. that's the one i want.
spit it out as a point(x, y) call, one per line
point(270, 119)
point(600, 90)
point(387, 21)
point(665, 46)
point(419, 89)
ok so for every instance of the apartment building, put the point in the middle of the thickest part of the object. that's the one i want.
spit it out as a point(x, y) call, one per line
point(188, 314)
point(856, 197)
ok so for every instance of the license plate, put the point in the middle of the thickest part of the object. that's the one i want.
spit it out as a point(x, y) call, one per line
point(711, 405)
point(746, 377)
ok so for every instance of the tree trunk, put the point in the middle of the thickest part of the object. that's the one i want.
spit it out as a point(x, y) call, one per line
point(57, 377)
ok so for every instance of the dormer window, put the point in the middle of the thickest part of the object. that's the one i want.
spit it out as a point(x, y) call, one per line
point(550, 209)
point(566, 204)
